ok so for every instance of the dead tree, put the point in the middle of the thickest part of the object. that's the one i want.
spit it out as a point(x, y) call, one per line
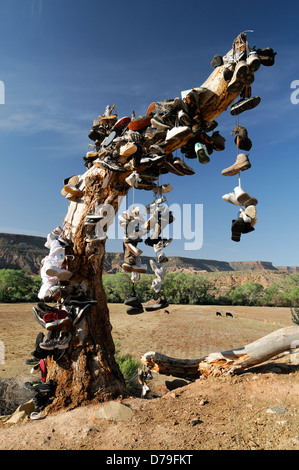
point(226, 362)
point(88, 370)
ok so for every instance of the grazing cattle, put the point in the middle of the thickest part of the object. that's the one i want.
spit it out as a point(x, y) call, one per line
point(218, 314)
point(166, 311)
point(229, 315)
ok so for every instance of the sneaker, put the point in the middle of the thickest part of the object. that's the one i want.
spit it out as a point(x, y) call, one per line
point(244, 105)
point(111, 164)
point(154, 135)
point(242, 163)
point(128, 149)
point(135, 310)
point(244, 216)
point(140, 123)
point(162, 258)
point(151, 158)
point(244, 198)
point(156, 285)
point(133, 179)
point(38, 315)
point(177, 133)
point(56, 319)
point(163, 189)
point(183, 167)
point(160, 123)
point(159, 272)
point(80, 312)
point(122, 123)
point(132, 247)
point(237, 82)
point(232, 198)
point(161, 244)
point(201, 153)
point(132, 301)
point(73, 190)
point(218, 141)
point(253, 61)
point(153, 305)
point(266, 56)
point(184, 119)
point(217, 61)
point(61, 274)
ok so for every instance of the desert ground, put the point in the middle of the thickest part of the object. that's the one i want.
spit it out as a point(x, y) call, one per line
point(257, 410)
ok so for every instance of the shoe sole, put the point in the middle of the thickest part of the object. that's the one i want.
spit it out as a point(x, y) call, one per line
point(245, 106)
point(236, 169)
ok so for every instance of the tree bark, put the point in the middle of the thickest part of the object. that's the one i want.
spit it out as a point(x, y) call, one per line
point(226, 362)
point(88, 370)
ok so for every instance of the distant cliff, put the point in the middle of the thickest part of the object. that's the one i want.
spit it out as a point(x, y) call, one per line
point(25, 252)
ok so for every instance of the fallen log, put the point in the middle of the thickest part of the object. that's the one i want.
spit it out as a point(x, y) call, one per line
point(226, 362)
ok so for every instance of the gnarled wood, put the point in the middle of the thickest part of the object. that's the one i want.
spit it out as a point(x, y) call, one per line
point(226, 362)
point(88, 370)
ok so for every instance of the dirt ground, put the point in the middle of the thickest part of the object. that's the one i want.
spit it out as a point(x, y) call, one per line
point(257, 410)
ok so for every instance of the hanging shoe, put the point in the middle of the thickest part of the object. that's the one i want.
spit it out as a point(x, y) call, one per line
point(244, 105)
point(244, 198)
point(250, 211)
point(253, 61)
point(237, 82)
point(202, 153)
point(153, 304)
point(242, 163)
point(241, 140)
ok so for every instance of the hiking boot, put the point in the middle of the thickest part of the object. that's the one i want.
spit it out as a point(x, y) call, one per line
point(242, 163)
point(244, 105)
point(153, 305)
point(250, 211)
point(241, 140)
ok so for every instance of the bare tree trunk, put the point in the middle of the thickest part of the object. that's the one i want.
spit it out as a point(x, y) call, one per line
point(88, 371)
point(226, 362)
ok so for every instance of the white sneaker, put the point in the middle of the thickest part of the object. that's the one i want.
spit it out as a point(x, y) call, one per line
point(159, 272)
point(244, 198)
point(231, 197)
point(61, 274)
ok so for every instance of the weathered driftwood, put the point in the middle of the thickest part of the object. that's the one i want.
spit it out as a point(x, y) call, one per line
point(226, 362)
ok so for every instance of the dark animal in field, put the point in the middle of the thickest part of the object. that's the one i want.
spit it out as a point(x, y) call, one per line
point(229, 315)
point(218, 314)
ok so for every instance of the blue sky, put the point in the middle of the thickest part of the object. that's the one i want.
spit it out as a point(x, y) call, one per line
point(63, 61)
